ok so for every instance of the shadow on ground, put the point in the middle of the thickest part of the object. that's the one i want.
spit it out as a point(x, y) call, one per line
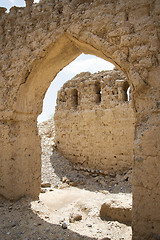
point(63, 168)
point(18, 221)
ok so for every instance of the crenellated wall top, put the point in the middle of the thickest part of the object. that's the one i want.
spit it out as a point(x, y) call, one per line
point(105, 89)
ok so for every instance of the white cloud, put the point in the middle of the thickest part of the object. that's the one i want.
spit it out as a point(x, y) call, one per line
point(92, 65)
point(14, 1)
point(20, 3)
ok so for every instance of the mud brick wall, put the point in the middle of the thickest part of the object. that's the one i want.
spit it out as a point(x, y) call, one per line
point(94, 122)
point(36, 43)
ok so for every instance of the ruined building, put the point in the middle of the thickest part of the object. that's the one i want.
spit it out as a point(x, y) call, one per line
point(36, 44)
point(94, 122)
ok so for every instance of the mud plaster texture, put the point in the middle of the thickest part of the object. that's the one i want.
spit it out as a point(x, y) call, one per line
point(94, 122)
point(36, 43)
point(77, 206)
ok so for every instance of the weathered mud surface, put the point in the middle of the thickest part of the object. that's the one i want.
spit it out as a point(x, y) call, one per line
point(95, 123)
point(59, 171)
point(73, 193)
point(36, 43)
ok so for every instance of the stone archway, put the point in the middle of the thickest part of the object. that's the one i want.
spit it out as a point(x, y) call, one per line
point(36, 44)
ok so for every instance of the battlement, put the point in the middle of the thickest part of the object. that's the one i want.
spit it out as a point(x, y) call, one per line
point(103, 90)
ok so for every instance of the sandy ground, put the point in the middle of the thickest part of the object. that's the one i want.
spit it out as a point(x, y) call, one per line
point(73, 200)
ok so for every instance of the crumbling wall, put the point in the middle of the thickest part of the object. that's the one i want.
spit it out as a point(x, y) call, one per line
point(94, 122)
point(36, 43)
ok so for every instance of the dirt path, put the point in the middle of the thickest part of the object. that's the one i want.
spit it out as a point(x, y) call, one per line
point(73, 200)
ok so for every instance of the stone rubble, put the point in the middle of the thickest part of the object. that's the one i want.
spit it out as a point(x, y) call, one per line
point(61, 173)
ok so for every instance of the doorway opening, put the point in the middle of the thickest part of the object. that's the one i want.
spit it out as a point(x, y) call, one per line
point(82, 176)
point(98, 92)
point(75, 98)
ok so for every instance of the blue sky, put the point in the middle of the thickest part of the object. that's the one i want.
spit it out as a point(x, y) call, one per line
point(84, 63)
point(10, 3)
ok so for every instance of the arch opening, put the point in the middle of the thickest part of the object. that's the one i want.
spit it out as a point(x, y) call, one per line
point(39, 79)
point(49, 36)
point(44, 70)
point(76, 103)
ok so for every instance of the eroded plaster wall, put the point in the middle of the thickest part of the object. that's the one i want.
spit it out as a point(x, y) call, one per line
point(94, 122)
point(36, 43)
